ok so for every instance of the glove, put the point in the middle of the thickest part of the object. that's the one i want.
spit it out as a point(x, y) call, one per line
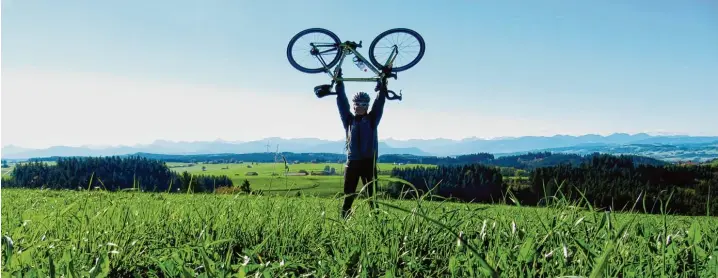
point(322, 91)
point(380, 85)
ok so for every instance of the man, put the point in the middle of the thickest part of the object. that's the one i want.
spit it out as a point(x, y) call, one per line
point(362, 141)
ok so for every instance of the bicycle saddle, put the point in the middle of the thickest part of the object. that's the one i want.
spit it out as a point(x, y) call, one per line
point(323, 90)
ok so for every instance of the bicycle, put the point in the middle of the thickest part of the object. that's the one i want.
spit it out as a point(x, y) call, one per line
point(340, 50)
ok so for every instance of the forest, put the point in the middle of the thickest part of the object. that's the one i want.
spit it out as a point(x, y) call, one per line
point(112, 174)
point(605, 181)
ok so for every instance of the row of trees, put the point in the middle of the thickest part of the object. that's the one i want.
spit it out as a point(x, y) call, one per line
point(528, 161)
point(606, 181)
point(468, 182)
point(232, 157)
point(617, 182)
point(110, 173)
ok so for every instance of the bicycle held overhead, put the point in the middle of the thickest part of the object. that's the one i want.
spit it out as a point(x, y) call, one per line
point(390, 52)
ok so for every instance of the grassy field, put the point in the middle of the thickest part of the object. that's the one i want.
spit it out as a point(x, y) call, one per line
point(318, 185)
point(7, 171)
point(53, 233)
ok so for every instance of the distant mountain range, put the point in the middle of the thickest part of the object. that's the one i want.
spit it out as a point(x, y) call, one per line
point(675, 147)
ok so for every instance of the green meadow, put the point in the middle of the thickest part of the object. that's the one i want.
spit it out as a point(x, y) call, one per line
point(273, 178)
point(135, 234)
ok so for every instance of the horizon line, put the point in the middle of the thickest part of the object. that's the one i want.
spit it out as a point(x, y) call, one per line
point(90, 145)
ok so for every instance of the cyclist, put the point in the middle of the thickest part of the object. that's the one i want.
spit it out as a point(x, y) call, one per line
point(362, 141)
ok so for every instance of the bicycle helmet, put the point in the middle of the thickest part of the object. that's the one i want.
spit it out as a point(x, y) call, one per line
point(361, 98)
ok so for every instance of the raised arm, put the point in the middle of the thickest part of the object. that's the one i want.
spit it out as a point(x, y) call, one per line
point(343, 104)
point(377, 109)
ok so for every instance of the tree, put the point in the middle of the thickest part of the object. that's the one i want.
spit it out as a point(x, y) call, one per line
point(4, 164)
point(245, 186)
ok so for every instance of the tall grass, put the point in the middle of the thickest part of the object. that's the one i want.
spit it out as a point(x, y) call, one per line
point(97, 233)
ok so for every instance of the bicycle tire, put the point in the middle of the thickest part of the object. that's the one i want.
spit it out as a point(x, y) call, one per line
point(412, 33)
point(320, 69)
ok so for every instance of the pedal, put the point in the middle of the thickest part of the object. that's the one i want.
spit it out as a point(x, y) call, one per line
point(391, 95)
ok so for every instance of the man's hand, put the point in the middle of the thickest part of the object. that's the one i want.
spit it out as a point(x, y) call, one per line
point(380, 85)
point(338, 73)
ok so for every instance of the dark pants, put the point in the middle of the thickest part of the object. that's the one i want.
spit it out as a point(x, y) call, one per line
point(354, 170)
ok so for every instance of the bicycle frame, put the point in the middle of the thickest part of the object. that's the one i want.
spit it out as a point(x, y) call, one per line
point(350, 48)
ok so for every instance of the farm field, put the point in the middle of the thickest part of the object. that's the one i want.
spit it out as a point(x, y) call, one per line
point(318, 185)
point(6, 171)
point(176, 235)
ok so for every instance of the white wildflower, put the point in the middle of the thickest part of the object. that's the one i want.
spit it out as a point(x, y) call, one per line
point(565, 251)
point(483, 230)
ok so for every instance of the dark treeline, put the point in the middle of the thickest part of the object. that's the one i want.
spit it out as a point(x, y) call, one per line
point(617, 182)
point(608, 182)
point(233, 157)
point(469, 182)
point(528, 161)
point(110, 173)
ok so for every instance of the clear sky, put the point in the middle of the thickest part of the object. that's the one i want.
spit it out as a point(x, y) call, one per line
point(134, 71)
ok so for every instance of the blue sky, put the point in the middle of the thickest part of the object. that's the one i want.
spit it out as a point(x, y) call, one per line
point(202, 70)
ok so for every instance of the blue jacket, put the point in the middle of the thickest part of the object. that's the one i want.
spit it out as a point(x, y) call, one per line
point(361, 131)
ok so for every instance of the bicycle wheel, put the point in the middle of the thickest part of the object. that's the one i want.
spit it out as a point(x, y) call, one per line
point(304, 57)
point(410, 46)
